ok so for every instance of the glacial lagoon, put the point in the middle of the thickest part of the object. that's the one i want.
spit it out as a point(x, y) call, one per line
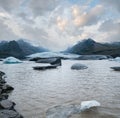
point(37, 91)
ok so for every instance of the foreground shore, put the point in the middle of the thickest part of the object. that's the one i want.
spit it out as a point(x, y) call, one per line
point(7, 109)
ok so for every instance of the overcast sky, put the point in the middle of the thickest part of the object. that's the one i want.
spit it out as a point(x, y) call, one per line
point(57, 24)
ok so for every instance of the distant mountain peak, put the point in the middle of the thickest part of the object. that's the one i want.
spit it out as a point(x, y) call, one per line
point(89, 40)
point(18, 49)
point(89, 46)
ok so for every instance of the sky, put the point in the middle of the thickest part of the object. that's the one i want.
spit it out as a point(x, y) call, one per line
point(58, 24)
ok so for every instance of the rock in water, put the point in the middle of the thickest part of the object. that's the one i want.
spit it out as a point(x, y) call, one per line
point(116, 68)
point(11, 60)
point(78, 66)
point(44, 67)
point(89, 104)
point(6, 104)
point(52, 61)
point(9, 114)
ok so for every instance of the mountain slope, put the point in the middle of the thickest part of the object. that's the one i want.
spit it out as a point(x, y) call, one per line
point(11, 49)
point(30, 49)
point(89, 47)
point(18, 49)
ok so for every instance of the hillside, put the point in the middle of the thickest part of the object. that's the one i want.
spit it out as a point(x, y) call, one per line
point(90, 47)
point(18, 49)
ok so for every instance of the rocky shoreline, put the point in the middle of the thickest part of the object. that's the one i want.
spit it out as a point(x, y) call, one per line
point(7, 109)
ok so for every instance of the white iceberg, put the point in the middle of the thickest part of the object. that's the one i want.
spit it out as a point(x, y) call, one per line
point(11, 60)
point(117, 59)
point(89, 104)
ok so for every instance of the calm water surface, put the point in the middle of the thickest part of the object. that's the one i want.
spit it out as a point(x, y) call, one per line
point(37, 91)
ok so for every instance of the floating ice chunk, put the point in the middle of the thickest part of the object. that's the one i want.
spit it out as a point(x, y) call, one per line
point(78, 66)
point(89, 104)
point(66, 111)
point(11, 60)
point(61, 111)
point(117, 59)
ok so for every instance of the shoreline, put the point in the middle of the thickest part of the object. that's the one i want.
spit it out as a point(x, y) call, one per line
point(7, 109)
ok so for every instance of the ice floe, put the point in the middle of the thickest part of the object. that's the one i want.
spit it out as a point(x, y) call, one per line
point(66, 111)
point(11, 60)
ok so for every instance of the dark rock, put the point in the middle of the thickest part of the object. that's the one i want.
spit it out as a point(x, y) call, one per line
point(7, 88)
point(44, 67)
point(57, 62)
point(52, 61)
point(4, 96)
point(0, 90)
point(6, 104)
point(78, 66)
point(2, 80)
point(9, 114)
point(35, 59)
point(2, 73)
point(116, 68)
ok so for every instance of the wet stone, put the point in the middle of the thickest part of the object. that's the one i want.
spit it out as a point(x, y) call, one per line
point(9, 114)
point(7, 104)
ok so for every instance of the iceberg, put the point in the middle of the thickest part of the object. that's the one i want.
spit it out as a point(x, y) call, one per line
point(117, 59)
point(78, 66)
point(89, 104)
point(66, 111)
point(11, 60)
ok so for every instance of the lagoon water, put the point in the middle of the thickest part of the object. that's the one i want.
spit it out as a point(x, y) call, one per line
point(37, 91)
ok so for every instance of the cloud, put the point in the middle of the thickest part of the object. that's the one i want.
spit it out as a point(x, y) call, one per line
point(112, 3)
point(111, 30)
point(59, 23)
point(9, 5)
point(39, 7)
point(87, 18)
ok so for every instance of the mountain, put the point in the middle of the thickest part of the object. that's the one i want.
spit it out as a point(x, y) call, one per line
point(30, 49)
point(90, 47)
point(18, 49)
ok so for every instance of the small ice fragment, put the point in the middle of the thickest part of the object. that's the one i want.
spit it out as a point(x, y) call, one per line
point(89, 104)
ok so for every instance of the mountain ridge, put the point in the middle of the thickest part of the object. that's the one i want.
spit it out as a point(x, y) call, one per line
point(18, 49)
point(90, 47)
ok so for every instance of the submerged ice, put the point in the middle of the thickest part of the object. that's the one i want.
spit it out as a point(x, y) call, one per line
point(66, 111)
